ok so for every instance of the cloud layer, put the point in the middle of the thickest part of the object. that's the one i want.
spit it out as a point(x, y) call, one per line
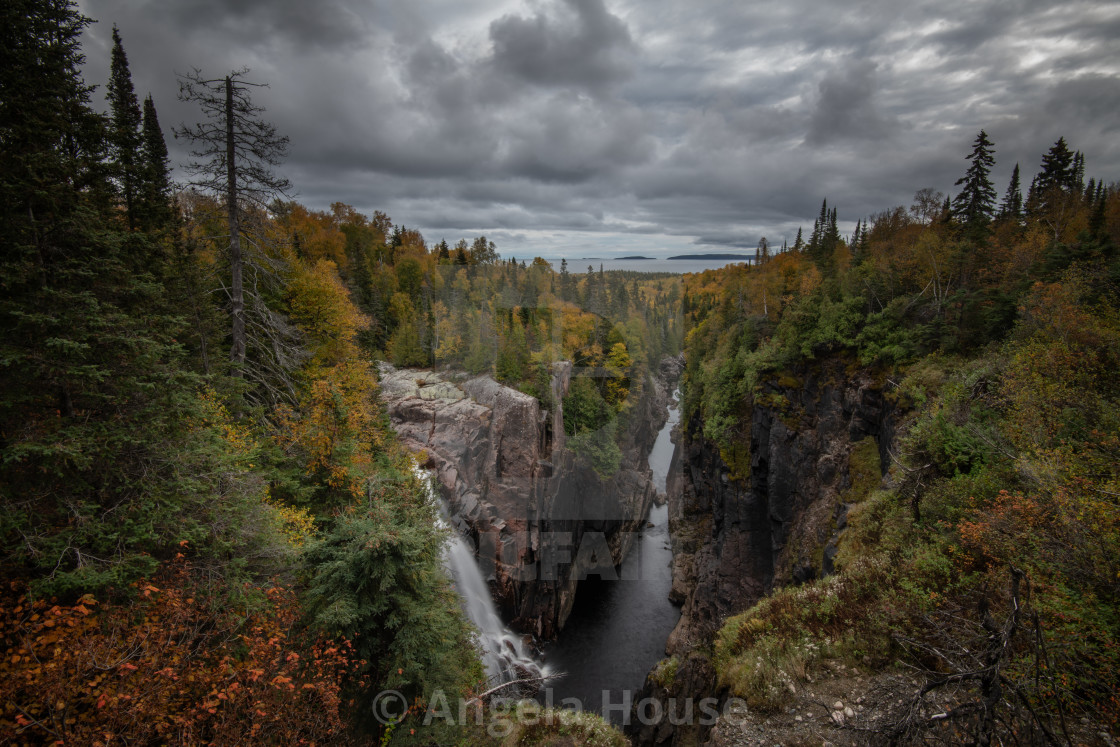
point(569, 127)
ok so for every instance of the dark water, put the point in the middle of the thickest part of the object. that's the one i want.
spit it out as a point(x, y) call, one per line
point(617, 629)
point(656, 264)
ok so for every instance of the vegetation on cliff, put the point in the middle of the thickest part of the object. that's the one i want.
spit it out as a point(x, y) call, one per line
point(209, 530)
point(989, 559)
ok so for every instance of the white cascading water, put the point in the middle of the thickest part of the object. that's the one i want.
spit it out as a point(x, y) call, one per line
point(504, 654)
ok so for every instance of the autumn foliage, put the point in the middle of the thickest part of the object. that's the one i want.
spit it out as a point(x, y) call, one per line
point(170, 666)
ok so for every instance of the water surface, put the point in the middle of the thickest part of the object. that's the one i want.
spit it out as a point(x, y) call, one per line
point(617, 629)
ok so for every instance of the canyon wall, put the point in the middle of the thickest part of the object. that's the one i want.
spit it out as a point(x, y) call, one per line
point(539, 516)
point(737, 537)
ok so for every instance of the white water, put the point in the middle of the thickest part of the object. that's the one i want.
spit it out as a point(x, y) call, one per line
point(504, 655)
point(503, 652)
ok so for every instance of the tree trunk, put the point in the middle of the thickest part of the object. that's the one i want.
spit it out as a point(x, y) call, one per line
point(236, 293)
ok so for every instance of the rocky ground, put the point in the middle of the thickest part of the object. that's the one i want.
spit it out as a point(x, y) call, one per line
point(843, 706)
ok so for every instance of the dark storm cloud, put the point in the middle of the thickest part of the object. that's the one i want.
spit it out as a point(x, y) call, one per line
point(559, 125)
point(584, 45)
point(323, 23)
point(846, 108)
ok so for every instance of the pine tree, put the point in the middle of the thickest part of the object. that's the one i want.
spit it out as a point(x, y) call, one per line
point(975, 205)
point(1012, 206)
point(798, 243)
point(124, 131)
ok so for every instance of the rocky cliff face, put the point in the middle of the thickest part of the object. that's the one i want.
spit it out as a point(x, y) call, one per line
point(540, 517)
point(735, 539)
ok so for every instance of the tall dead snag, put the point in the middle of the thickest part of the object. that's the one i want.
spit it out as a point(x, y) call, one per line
point(234, 152)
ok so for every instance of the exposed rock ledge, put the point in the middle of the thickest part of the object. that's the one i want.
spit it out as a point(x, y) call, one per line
point(736, 539)
point(538, 514)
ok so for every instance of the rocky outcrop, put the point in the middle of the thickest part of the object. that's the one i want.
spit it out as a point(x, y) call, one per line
point(734, 539)
point(539, 516)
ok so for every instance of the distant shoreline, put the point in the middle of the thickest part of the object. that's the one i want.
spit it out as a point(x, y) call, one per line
point(714, 256)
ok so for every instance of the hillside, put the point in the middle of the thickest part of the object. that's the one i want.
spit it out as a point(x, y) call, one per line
point(900, 460)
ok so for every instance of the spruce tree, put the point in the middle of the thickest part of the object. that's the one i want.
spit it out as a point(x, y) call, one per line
point(1062, 169)
point(975, 205)
point(565, 281)
point(124, 131)
point(95, 408)
point(856, 239)
point(1012, 206)
point(153, 208)
point(1057, 188)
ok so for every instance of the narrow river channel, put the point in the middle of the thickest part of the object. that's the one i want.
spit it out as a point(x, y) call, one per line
point(617, 630)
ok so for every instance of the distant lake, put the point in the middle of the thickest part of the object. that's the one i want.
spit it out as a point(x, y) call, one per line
point(643, 265)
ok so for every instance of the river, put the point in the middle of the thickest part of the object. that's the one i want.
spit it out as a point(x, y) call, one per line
point(617, 630)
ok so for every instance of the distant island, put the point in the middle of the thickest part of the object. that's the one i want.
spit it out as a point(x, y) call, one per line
point(637, 256)
point(714, 256)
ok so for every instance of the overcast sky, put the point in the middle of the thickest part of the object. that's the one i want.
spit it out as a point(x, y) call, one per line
point(588, 127)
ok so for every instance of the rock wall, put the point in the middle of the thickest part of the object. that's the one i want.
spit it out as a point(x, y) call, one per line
point(735, 539)
point(539, 516)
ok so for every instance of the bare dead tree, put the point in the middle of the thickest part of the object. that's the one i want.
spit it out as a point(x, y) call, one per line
point(968, 695)
point(234, 153)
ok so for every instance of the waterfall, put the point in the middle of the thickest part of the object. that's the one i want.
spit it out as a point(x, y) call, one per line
point(503, 652)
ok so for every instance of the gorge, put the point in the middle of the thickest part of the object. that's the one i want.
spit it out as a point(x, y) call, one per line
point(607, 610)
point(580, 562)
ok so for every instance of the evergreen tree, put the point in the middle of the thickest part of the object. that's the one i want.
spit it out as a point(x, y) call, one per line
point(153, 209)
point(565, 281)
point(762, 253)
point(1059, 168)
point(798, 243)
point(95, 408)
point(1097, 219)
point(975, 205)
point(461, 255)
point(818, 229)
point(1012, 206)
point(124, 131)
point(1057, 188)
